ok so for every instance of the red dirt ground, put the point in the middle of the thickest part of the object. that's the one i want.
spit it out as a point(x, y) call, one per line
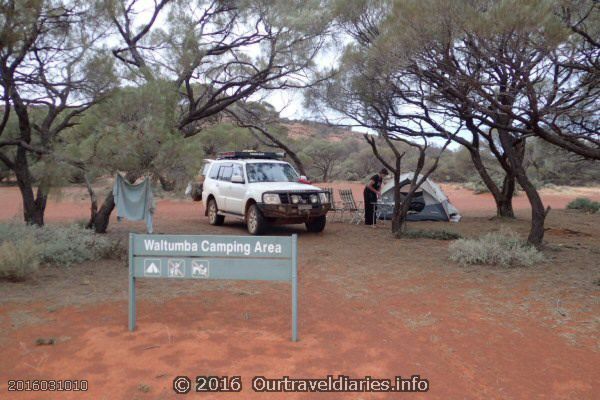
point(71, 204)
point(369, 305)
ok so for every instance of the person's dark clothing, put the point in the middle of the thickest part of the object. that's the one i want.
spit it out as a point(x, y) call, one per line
point(370, 197)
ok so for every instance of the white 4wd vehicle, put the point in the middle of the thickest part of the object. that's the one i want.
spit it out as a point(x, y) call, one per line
point(262, 190)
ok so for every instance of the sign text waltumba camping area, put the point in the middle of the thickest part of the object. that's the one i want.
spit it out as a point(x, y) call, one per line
point(270, 258)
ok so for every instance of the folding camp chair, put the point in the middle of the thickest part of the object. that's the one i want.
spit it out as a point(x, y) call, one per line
point(334, 210)
point(356, 210)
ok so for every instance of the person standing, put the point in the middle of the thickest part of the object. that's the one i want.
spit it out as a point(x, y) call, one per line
point(371, 193)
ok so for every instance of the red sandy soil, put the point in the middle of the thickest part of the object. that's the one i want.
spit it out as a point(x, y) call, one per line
point(71, 204)
point(369, 305)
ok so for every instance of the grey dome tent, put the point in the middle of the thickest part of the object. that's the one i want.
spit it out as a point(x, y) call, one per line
point(429, 202)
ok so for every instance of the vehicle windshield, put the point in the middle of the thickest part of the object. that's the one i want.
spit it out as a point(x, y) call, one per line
point(271, 172)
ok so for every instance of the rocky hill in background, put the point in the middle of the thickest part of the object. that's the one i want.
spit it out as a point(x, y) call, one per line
point(315, 130)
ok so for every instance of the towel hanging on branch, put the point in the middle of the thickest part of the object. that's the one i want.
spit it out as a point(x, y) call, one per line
point(134, 202)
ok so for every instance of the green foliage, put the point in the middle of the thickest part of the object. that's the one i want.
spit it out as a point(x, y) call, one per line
point(19, 259)
point(504, 248)
point(55, 244)
point(584, 204)
point(226, 137)
point(324, 158)
point(71, 245)
point(134, 131)
point(549, 164)
point(431, 234)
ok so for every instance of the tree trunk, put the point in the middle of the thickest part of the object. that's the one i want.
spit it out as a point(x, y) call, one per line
point(504, 206)
point(398, 217)
point(538, 213)
point(102, 217)
point(93, 203)
point(167, 185)
point(502, 197)
point(33, 210)
point(34, 206)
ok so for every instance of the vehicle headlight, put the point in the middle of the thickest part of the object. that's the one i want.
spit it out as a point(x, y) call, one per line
point(324, 197)
point(295, 199)
point(314, 198)
point(271, 198)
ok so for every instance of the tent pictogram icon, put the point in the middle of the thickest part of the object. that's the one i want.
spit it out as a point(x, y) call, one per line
point(152, 267)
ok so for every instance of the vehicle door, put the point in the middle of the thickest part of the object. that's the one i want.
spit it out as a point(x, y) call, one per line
point(236, 190)
point(224, 186)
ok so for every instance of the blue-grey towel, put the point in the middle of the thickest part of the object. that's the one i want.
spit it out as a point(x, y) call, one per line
point(134, 202)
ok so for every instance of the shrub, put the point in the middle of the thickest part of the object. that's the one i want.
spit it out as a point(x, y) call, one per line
point(478, 187)
point(18, 259)
point(431, 234)
point(503, 248)
point(71, 245)
point(584, 204)
point(60, 245)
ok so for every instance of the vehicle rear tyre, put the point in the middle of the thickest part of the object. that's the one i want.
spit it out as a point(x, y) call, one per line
point(316, 224)
point(213, 217)
point(255, 221)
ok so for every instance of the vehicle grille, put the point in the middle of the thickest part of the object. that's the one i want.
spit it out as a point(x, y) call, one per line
point(304, 197)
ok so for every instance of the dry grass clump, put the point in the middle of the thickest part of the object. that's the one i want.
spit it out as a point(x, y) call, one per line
point(504, 248)
point(19, 259)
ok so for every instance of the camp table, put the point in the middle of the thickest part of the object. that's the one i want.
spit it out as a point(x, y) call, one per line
point(380, 206)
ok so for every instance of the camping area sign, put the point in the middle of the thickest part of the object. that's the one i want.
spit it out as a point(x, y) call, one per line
point(272, 258)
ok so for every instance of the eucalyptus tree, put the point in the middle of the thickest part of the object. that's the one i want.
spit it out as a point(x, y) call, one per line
point(561, 94)
point(131, 132)
point(365, 92)
point(210, 55)
point(403, 31)
point(263, 122)
point(500, 72)
point(510, 71)
point(217, 53)
point(51, 71)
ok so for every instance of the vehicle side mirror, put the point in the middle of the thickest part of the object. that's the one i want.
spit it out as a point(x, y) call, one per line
point(237, 179)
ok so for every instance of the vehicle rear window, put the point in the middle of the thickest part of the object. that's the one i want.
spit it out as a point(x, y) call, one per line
point(206, 168)
point(225, 173)
point(214, 171)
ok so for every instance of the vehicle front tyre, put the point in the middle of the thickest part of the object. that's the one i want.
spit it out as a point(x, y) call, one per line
point(316, 224)
point(213, 217)
point(255, 221)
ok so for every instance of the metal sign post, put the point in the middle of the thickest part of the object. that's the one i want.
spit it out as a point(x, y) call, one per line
point(273, 258)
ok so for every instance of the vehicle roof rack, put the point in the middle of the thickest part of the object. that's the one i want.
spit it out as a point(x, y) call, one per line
point(237, 155)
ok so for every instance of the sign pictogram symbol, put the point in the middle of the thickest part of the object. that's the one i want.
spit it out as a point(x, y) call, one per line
point(152, 267)
point(200, 269)
point(176, 268)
